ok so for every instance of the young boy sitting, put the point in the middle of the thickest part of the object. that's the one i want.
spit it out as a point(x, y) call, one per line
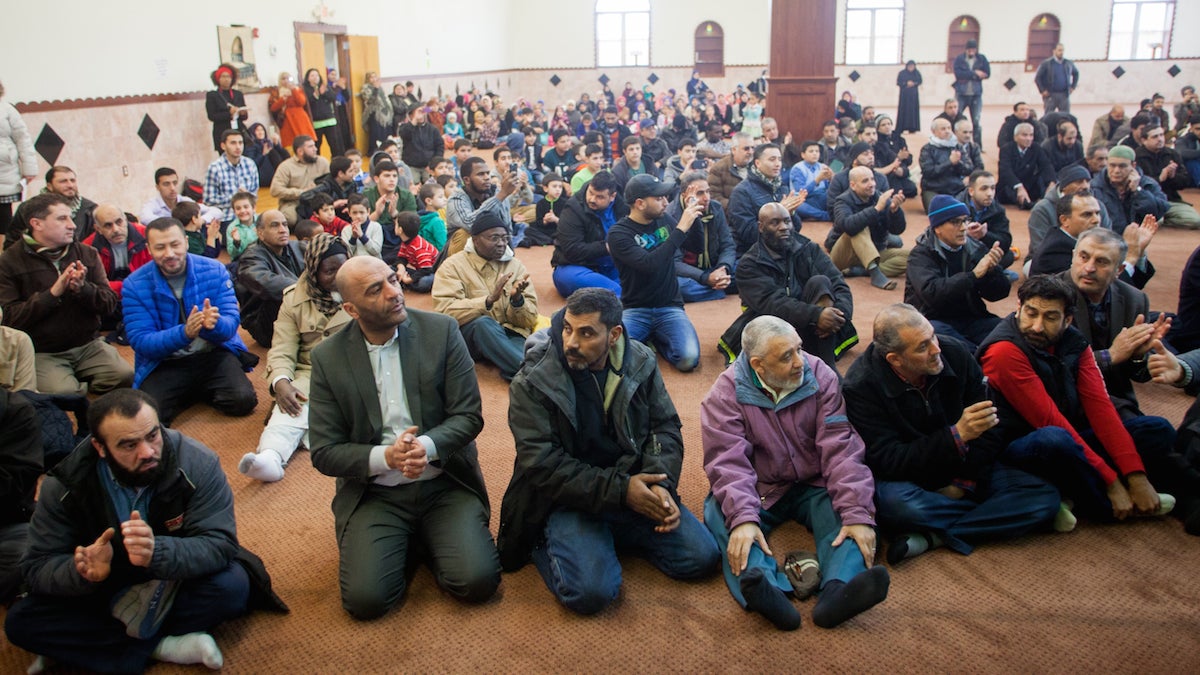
point(449, 186)
point(462, 150)
point(362, 235)
point(323, 213)
point(243, 230)
point(432, 198)
point(532, 155)
point(545, 221)
point(593, 157)
point(202, 237)
point(415, 259)
point(305, 231)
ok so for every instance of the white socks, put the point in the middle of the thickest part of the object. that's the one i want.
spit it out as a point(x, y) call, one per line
point(39, 666)
point(190, 649)
point(1064, 520)
point(266, 466)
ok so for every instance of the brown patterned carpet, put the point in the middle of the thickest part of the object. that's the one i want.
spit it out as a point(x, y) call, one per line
point(1104, 598)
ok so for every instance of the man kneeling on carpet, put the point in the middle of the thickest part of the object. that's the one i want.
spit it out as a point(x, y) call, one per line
point(132, 549)
point(778, 447)
point(599, 455)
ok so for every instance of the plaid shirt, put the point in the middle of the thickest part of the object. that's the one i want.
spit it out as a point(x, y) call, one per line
point(224, 179)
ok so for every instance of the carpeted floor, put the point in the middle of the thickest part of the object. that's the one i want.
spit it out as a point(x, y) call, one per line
point(1104, 598)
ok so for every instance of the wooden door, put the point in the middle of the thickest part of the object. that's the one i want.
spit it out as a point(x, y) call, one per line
point(1043, 37)
point(710, 49)
point(962, 29)
point(363, 58)
point(312, 54)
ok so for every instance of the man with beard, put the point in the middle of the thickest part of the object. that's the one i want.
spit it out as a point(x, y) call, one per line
point(231, 173)
point(487, 291)
point(60, 180)
point(970, 70)
point(1056, 419)
point(476, 196)
point(1166, 166)
point(613, 133)
point(971, 152)
point(264, 270)
point(181, 317)
point(599, 456)
point(297, 174)
point(138, 524)
point(581, 258)
point(393, 415)
point(706, 263)
point(764, 184)
point(787, 275)
point(644, 245)
point(1064, 148)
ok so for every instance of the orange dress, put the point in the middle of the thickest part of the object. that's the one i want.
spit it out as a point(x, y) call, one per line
point(291, 113)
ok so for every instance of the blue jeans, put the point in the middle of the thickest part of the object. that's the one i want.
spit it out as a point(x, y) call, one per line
point(694, 291)
point(490, 341)
point(808, 211)
point(669, 330)
point(1193, 167)
point(570, 278)
point(578, 559)
point(805, 504)
point(1052, 453)
point(974, 104)
point(81, 632)
point(971, 331)
point(1010, 504)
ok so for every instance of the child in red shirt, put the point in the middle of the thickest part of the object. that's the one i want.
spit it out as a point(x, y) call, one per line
point(323, 213)
point(416, 257)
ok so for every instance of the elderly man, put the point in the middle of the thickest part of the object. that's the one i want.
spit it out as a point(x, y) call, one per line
point(970, 70)
point(393, 414)
point(706, 262)
point(921, 405)
point(181, 316)
point(1025, 170)
point(264, 270)
point(1109, 128)
point(787, 275)
point(864, 221)
point(54, 289)
point(599, 457)
point(487, 291)
point(1056, 79)
point(972, 154)
point(296, 174)
point(1072, 437)
point(1127, 195)
point(131, 549)
point(644, 246)
point(951, 276)
point(1166, 166)
point(166, 182)
point(764, 184)
point(308, 313)
point(732, 168)
point(943, 171)
point(778, 447)
point(122, 249)
point(229, 174)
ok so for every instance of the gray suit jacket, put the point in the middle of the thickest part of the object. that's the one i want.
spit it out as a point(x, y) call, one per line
point(345, 421)
point(1127, 302)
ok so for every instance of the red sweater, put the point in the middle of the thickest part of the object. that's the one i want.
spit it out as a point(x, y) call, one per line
point(335, 226)
point(417, 254)
point(1012, 375)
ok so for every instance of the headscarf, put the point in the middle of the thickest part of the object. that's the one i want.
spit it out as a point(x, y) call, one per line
point(321, 247)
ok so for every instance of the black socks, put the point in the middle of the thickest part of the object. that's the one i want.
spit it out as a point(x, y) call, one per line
point(769, 600)
point(841, 601)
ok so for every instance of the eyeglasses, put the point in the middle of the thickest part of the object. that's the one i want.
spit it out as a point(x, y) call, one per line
point(497, 238)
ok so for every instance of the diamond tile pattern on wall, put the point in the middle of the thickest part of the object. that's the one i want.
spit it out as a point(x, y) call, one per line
point(1118, 72)
point(1009, 84)
point(555, 80)
point(603, 79)
point(148, 132)
point(854, 75)
point(653, 79)
point(1174, 70)
point(49, 144)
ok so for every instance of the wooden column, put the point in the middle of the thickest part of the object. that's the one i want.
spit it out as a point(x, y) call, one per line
point(801, 91)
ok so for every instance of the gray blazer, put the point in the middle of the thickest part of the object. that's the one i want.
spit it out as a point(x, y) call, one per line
point(345, 421)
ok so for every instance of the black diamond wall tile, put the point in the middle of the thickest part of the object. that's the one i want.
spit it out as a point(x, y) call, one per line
point(653, 78)
point(148, 132)
point(854, 75)
point(1009, 84)
point(49, 144)
point(1174, 70)
point(1118, 72)
point(604, 79)
point(555, 80)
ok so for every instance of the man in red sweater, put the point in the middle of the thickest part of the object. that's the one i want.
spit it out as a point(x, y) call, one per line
point(1058, 419)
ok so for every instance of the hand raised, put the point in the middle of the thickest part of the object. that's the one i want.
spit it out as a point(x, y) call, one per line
point(138, 539)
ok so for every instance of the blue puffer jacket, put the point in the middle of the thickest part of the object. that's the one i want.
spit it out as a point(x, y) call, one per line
point(154, 320)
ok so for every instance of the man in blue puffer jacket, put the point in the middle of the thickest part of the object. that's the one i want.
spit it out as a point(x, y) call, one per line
point(181, 316)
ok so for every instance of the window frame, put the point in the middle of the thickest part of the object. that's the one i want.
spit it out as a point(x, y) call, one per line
point(873, 7)
point(1168, 30)
point(597, 11)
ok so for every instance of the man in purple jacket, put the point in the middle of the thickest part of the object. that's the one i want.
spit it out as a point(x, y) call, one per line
point(777, 447)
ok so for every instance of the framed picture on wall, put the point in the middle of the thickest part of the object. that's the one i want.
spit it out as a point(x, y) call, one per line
point(236, 47)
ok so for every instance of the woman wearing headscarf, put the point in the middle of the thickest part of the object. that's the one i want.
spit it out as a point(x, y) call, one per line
point(908, 117)
point(289, 108)
point(308, 313)
point(225, 105)
point(889, 147)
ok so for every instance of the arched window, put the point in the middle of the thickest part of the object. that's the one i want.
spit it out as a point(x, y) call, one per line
point(962, 29)
point(622, 32)
point(1043, 36)
point(1140, 29)
point(874, 29)
point(710, 49)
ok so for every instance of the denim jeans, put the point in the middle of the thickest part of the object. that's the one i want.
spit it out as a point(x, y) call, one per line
point(488, 340)
point(805, 504)
point(578, 559)
point(974, 104)
point(1009, 504)
point(570, 278)
point(669, 330)
point(694, 291)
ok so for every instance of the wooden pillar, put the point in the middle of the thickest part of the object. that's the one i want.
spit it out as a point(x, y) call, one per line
point(801, 91)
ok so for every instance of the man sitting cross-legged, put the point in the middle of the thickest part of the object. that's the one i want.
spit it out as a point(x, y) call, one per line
point(864, 221)
point(778, 447)
point(599, 456)
point(921, 405)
